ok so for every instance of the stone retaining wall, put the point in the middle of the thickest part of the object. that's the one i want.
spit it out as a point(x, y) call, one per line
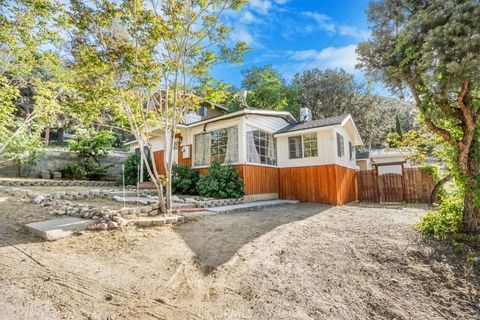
point(54, 183)
point(56, 160)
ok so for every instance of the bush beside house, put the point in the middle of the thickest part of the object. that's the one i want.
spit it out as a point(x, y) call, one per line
point(184, 180)
point(221, 181)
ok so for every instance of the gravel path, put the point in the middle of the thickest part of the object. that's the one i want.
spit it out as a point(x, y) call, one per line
point(300, 261)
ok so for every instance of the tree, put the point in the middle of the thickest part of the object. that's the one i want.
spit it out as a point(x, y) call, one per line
point(331, 93)
point(431, 48)
point(267, 88)
point(146, 61)
point(415, 144)
point(398, 126)
point(32, 75)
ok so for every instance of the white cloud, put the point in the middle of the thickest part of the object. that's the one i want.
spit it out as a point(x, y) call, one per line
point(323, 21)
point(331, 57)
point(260, 6)
point(359, 34)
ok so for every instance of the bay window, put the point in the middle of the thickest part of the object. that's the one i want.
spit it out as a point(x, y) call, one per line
point(261, 147)
point(216, 146)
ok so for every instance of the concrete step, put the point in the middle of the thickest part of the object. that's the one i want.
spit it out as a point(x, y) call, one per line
point(251, 206)
point(58, 228)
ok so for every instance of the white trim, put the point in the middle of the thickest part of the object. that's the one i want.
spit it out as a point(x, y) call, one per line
point(305, 131)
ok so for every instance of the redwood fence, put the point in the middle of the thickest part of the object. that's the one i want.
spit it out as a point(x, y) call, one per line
point(412, 185)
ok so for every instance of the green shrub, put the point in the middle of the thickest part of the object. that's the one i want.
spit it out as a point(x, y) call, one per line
point(446, 220)
point(91, 150)
point(184, 180)
point(73, 172)
point(95, 172)
point(131, 169)
point(220, 182)
point(432, 170)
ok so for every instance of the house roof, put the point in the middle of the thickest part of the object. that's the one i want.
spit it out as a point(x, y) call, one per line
point(385, 153)
point(281, 114)
point(359, 155)
point(304, 125)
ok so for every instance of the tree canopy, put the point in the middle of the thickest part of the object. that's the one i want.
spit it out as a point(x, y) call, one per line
point(430, 48)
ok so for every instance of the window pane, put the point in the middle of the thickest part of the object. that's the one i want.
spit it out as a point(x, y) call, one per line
point(224, 145)
point(260, 147)
point(201, 149)
point(310, 146)
point(340, 146)
point(295, 147)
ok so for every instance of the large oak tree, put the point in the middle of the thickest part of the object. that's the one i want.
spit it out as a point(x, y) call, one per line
point(431, 48)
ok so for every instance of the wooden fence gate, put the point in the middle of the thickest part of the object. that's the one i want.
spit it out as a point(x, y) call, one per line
point(412, 185)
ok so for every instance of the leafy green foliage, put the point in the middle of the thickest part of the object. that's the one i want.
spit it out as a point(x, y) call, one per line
point(74, 172)
point(446, 220)
point(329, 93)
point(267, 89)
point(221, 181)
point(431, 48)
point(184, 180)
point(131, 170)
point(91, 151)
point(32, 75)
point(95, 147)
point(415, 144)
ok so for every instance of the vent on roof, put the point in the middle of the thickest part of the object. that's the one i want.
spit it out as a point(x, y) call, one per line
point(305, 114)
point(243, 99)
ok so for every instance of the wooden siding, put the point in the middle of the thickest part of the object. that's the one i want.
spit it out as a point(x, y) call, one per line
point(259, 179)
point(185, 161)
point(346, 185)
point(328, 184)
point(159, 162)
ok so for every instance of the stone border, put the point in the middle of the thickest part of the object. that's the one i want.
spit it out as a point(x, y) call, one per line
point(218, 203)
point(55, 183)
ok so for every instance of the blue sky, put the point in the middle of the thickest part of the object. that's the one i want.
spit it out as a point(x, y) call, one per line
point(293, 35)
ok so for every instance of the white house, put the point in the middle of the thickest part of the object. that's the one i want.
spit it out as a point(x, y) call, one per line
point(276, 156)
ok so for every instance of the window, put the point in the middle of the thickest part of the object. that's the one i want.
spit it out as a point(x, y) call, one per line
point(310, 145)
point(295, 147)
point(351, 149)
point(218, 145)
point(202, 111)
point(303, 146)
point(201, 149)
point(340, 146)
point(261, 147)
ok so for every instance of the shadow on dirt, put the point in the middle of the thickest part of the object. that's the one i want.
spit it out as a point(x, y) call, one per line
point(216, 239)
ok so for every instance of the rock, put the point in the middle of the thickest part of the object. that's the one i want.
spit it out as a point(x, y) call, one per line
point(103, 226)
point(39, 199)
point(176, 199)
point(190, 200)
point(108, 297)
point(57, 175)
point(45, 174)
point(112, 225)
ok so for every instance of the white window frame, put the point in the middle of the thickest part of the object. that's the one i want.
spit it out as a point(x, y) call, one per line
point(303, 145)
point(209, 134)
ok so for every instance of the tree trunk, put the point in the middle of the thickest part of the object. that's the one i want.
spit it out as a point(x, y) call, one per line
point(471, 214)
point(471, 210)
point(47, 136)
point(436, 189)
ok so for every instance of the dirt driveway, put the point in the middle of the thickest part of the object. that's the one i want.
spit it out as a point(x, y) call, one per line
point(291, 262)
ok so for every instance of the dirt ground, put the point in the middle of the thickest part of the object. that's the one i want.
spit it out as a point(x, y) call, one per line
point(300, 261)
